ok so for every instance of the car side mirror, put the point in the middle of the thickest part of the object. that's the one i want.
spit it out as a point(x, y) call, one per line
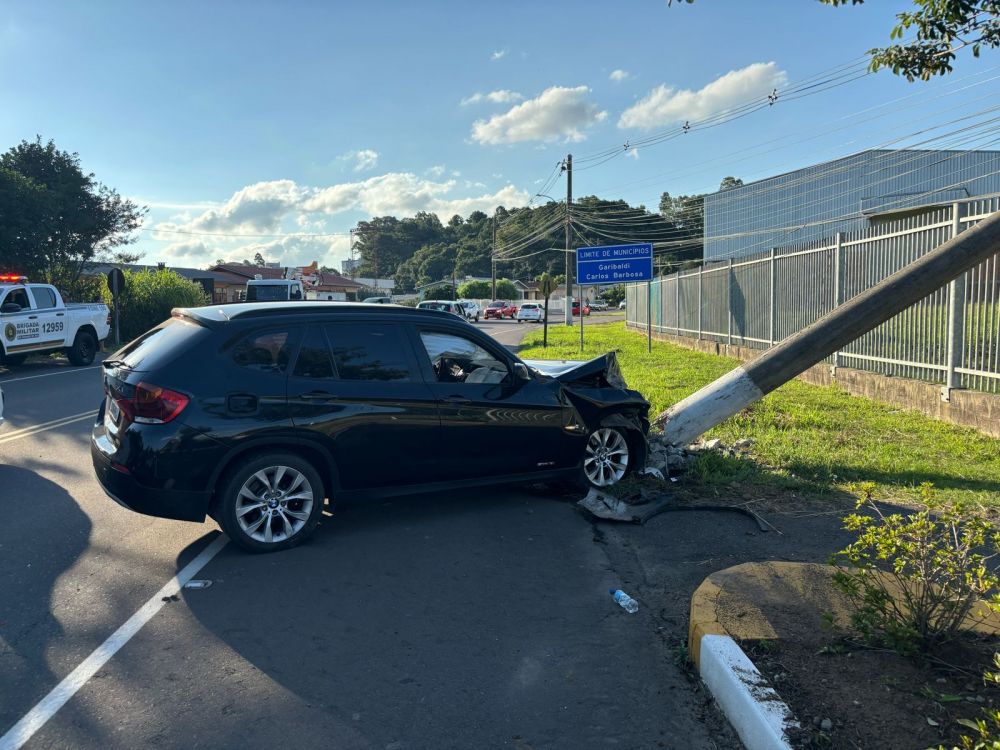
point(10, 307)
point(521, 371)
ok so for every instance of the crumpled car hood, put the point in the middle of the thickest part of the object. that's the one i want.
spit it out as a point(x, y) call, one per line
point(595, 385)
point(600, 372)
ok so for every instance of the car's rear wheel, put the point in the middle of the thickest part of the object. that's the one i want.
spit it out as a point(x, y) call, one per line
point(270, 502)
point(607, 457)
point(84, 349)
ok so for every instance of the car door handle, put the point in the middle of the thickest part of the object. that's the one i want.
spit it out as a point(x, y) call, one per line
point(32, 317)
point(242, 403)
point(59, 315)
point(317, 396)
point(457, 400)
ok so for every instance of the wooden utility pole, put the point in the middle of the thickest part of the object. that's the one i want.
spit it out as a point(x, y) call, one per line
point(568, 166)
point(736, 390)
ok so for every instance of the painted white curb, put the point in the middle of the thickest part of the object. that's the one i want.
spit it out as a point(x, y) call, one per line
point(752, 706)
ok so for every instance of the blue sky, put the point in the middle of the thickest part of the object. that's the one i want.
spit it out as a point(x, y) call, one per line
point(240, 122)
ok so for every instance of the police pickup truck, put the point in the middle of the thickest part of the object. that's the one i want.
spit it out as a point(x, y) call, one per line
point(34, 320)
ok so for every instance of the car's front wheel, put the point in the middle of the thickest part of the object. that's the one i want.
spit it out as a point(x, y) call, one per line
point(270, 502)
point(607, 458)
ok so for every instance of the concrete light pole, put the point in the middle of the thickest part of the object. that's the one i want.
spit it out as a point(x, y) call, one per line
point(736, 390)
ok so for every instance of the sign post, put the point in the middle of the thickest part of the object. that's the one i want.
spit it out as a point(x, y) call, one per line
point(616, 264)
point(116, 282)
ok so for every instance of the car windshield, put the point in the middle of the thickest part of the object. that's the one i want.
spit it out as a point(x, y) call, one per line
point(266, 292)
point(496, 304)
point(436, 306)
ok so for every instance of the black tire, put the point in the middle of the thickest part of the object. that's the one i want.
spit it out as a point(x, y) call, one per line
point(273, 518)
point(13, 360)
point(84, 349)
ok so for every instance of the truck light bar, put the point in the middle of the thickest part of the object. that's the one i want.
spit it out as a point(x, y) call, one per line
point(13, 278)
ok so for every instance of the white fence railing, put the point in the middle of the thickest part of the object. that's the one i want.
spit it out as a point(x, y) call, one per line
point(951, 337)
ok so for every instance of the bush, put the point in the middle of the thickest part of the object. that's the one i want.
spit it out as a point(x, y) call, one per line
point(441, 291)
point(149, 296)
point(914, 579)
point(475, 290)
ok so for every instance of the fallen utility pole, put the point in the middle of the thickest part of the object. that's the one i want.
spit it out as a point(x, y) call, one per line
point(717, 401)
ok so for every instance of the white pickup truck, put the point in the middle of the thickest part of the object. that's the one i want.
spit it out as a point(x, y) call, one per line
point(34, 320)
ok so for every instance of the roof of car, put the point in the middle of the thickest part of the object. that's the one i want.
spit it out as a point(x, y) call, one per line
point(216, 314)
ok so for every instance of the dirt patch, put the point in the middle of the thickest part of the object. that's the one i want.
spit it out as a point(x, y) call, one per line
point(850, 696)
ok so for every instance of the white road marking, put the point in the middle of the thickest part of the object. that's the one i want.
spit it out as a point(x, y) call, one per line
point(35, 719)
point(24, 432)
point(50, 374)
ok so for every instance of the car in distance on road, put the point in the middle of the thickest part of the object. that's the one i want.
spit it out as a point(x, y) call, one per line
point(576, 308)
point(621, 305)
point(530, 311)
point(35, 320)
point(378, 300)
point(294, 403)
point(599, 305)
point(443, 305)
point(500, 309)
point(472, 310)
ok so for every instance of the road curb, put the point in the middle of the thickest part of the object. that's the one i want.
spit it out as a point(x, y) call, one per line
point(748, 700)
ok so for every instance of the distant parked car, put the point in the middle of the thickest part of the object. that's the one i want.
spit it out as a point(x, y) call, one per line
point(378, 300)
point(530, 311)
point(500, 309)
point(621, 305)
point(471, 309)
point(443, 305)
point(576, 308)
point(599, 305)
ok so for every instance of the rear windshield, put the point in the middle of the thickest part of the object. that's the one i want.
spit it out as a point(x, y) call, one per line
point(160, 345)
point(496, 304)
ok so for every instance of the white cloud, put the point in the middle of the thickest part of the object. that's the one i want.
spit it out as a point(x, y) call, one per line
point(283, 206)
point(633, 152)
point(558, 112)
point(255, 208)
point(666, 105)
point(437, 170)
point(500, 54)
point(619, 75)
point(364, 159)
point(404, 194)
point(500, 96)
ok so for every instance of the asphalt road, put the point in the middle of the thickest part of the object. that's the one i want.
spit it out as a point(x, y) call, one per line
point(470, 620)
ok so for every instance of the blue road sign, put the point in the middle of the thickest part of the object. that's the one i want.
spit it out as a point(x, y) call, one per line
point(614, 264)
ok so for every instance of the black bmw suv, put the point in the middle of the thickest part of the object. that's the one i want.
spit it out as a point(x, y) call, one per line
point(256, 414)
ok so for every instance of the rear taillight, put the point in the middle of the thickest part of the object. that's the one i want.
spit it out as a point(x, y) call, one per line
point(151, 404)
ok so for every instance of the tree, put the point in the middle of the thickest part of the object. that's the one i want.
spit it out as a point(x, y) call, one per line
point(258, 260)
point(944, 27)
point(728, 183)
point(74, 220)
point(614, 295)
point(506, 289)
point(439, 291)
point(546, 285)
point(475, 290)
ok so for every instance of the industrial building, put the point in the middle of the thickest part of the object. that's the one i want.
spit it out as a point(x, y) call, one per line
point(843, 195)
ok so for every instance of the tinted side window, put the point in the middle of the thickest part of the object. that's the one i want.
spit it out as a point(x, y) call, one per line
point(266, 351)
point(44, 298)
point(314, 356)
point(369, 351)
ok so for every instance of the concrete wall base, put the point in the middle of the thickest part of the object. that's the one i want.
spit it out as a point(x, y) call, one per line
point(980, 411)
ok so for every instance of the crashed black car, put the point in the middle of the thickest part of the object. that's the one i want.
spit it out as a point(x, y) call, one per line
point(256, 414)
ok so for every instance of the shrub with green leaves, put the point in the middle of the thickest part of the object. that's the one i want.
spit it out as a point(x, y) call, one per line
point(149, 296)
point(913, 579)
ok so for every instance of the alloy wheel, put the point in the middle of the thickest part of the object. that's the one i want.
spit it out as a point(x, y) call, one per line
point(606, 459)
point(274, 504)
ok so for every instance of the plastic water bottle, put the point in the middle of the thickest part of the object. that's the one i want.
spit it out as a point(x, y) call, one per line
point(627, 603)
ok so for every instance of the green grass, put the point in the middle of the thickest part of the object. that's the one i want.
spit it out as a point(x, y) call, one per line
point(817, 440)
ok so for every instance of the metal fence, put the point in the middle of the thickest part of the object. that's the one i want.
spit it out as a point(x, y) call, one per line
point(950, 337)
